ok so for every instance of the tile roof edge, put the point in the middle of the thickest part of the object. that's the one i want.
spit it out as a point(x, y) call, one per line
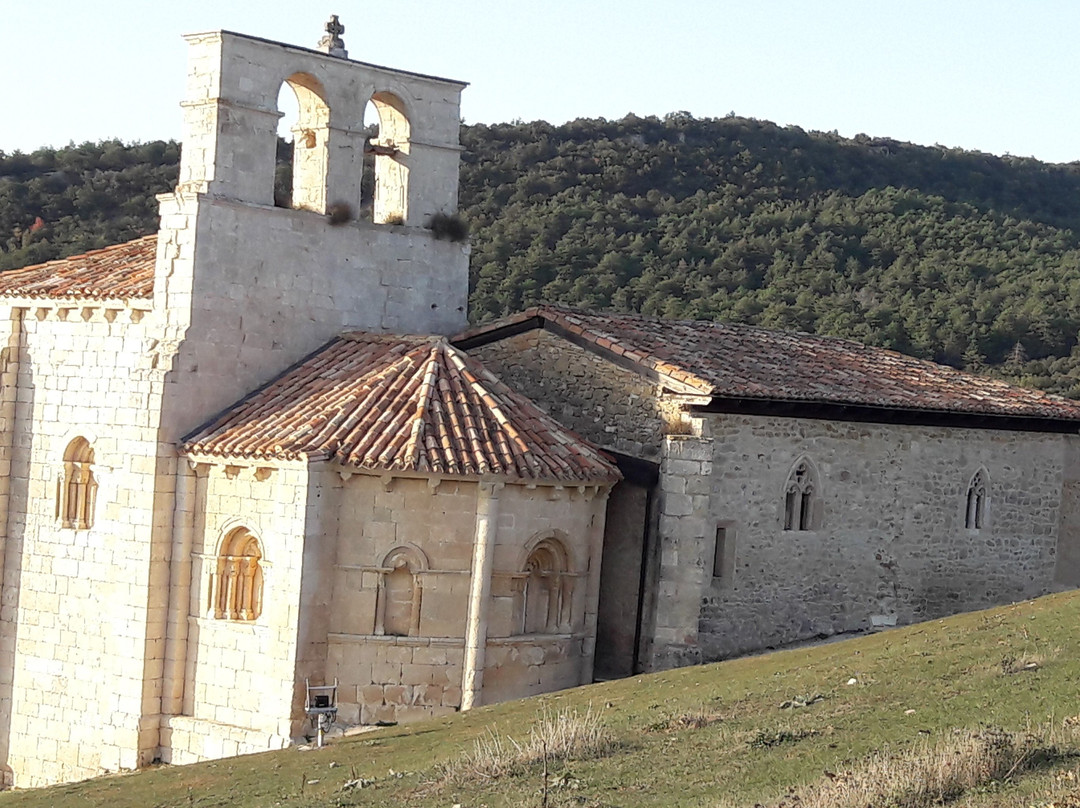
point(56, 263)
point(429, 345)
point(490, 477)
point(81, 300)
point(925, 416)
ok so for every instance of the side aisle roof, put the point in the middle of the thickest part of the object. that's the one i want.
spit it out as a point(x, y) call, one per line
point(120, 272)
point(743, 368)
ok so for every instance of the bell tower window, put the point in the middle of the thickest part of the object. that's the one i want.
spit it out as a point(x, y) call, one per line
point(306, 119)
point(389, 146)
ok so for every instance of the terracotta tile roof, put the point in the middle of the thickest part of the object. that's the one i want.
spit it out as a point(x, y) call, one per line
point(740, 361)
point(120, 272)
point(394, 403)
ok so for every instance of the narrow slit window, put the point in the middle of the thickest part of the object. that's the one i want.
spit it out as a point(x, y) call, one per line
point(400, 595)
point(724, 554)
point(546, 596)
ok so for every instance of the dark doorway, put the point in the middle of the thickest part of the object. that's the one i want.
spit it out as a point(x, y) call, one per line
point(624, 569)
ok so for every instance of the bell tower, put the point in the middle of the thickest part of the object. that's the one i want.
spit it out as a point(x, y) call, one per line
point(247, 287)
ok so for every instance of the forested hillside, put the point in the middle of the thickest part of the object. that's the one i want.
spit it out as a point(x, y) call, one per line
point(962, 257)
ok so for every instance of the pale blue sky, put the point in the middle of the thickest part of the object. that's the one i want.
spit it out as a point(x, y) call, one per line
point(987, 75)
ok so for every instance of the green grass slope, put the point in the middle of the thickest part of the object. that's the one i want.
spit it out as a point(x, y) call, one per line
point(717, 735)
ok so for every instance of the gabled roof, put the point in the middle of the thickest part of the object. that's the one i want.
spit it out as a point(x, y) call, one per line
point(120, 272)
point(400, 403)
point(740, 362)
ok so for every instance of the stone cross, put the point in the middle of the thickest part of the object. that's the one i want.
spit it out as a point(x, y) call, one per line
point(332, 43)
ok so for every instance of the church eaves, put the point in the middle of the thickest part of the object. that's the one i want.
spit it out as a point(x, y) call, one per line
point(741, 363)
point(120, 272)
point(400, 403)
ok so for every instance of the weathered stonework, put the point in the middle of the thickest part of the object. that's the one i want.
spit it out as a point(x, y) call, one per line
point(892, 546)
point(887, 541)
point(611, 406)
point(398, 678)
point(164, 605)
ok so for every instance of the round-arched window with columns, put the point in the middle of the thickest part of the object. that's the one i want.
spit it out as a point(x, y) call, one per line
point(76, 490)
point(238, 579)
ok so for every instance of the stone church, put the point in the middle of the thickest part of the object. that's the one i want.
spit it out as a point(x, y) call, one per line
point(262, 448)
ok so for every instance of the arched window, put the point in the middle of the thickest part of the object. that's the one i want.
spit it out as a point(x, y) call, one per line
point(310, 140)
point(238, 584)
point(76, 490)
point(978, 500)
point(547, 589)
point(802, 497)
point(397, 606)
point(390, 148)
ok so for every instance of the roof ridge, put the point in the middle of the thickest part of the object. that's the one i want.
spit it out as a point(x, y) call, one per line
point(424, 403)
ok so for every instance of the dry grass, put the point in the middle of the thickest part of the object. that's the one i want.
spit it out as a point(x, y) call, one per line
point(935, 773)
point(1022, 663)
point(554, 737)
point(697, 718)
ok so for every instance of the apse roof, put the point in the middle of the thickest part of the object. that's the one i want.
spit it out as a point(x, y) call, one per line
point(405, 404)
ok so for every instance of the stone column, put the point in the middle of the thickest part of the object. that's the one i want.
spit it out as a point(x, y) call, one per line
point(684, 535)
point(487, 521)
point(188, 481)
point(9, 375)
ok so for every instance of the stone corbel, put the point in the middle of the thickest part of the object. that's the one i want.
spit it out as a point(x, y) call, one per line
point(197, 466)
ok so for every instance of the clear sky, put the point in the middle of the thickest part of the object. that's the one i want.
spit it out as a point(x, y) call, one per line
point(996, 76)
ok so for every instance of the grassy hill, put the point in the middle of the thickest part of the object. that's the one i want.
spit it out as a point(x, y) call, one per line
point(992, 696)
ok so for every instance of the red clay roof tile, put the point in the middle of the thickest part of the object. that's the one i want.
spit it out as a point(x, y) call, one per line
point(740, 361)
point(401, 403)
point(120, 272)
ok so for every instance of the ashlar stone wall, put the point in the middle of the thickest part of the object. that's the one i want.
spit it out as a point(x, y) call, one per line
point(240, 674)
point(248, 288)
point(81, 631)
point(401, 594)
